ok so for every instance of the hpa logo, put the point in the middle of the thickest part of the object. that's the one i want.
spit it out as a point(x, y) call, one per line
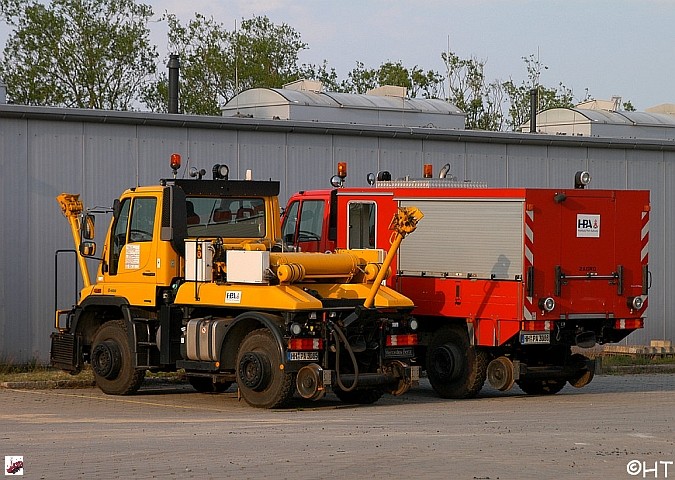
point(588, 225)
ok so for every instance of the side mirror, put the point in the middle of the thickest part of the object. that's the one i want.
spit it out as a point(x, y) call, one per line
point(87, 249)
point(87, 231)
point(117, 208)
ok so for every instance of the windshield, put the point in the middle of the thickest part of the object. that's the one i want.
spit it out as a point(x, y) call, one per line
point(225, 217)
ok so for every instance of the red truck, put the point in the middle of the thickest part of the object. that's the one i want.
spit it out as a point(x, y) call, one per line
point(506, 281)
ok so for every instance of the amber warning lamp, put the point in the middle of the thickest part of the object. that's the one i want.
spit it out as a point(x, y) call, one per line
point(342, 170)
point(428, 170)
point(338, 181)
point(175, 163)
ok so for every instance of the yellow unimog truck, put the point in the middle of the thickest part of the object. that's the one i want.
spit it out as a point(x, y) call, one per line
point(193, 275)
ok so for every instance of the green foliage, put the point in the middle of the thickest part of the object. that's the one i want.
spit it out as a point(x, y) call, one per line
point(217, 63)
point(322, 73)
point(77, 53)
point(519, 95)
point(471, 93)
point(360, 79)
point(628, 106)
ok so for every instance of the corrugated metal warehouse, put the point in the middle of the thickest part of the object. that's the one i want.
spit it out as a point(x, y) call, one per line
point(46, 151)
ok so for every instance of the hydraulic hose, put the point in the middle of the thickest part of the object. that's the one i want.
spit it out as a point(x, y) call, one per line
point(337, 335)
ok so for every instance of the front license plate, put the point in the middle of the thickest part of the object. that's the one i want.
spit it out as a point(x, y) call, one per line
point(535, 338)
point(303, 356)
point(406, 352)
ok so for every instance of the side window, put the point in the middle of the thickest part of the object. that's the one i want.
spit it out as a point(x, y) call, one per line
point(311, 221)
point(361, 225)
point(142, 220)
point(290, 221)
point(119, 236)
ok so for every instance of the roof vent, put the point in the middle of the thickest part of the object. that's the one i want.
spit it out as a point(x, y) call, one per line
point(389, 91)
point(668, 108)
point(304, 85)
point(609, 105)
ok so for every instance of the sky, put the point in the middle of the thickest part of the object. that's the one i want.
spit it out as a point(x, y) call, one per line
point(610, 47)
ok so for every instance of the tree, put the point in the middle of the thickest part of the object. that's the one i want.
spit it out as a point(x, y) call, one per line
point(471, 93)
point(519, 95)
point(360, 79)
point(216, 64)
point(628, 106)
point(322, 73)
point(77, 53)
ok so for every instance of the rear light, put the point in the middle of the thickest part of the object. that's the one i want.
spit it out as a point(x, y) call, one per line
point(305, 344)
point(536, 325)
point(547, 304)
point(401, 340)
point(630, 324)
point(635, 303)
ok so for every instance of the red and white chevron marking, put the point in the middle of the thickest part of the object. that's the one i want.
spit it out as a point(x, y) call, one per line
point(529, 312)
point(644, 247)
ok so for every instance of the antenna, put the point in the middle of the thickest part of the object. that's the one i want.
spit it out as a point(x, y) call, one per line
point(447, 69)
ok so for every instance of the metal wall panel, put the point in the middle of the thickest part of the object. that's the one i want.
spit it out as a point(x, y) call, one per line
point(55, 164)
point(527, 166)
point(263, 152)
point(155, 146)
point(610, 167)
point(309, 156)
point(665, 257)
point(209, 147)
point(483, 238)
point(401, 157)
point(110, 164)
point(486, 162)
point(563, 163)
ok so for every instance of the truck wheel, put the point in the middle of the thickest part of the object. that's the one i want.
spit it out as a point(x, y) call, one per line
point(262, 382)
point(206, 385)
point(455, 368)
point(360, 397)
point(549, 386)
point(111, 360)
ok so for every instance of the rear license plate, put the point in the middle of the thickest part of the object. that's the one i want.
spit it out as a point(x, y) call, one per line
point(303, 356)
point(537, 338)
point(399, 352)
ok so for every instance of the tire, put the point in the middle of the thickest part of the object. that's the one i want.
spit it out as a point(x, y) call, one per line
point(206, 385)
point(111, 360)
point(549, 386)
point(360, 397)
point(261, 382)
point(455, 368)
